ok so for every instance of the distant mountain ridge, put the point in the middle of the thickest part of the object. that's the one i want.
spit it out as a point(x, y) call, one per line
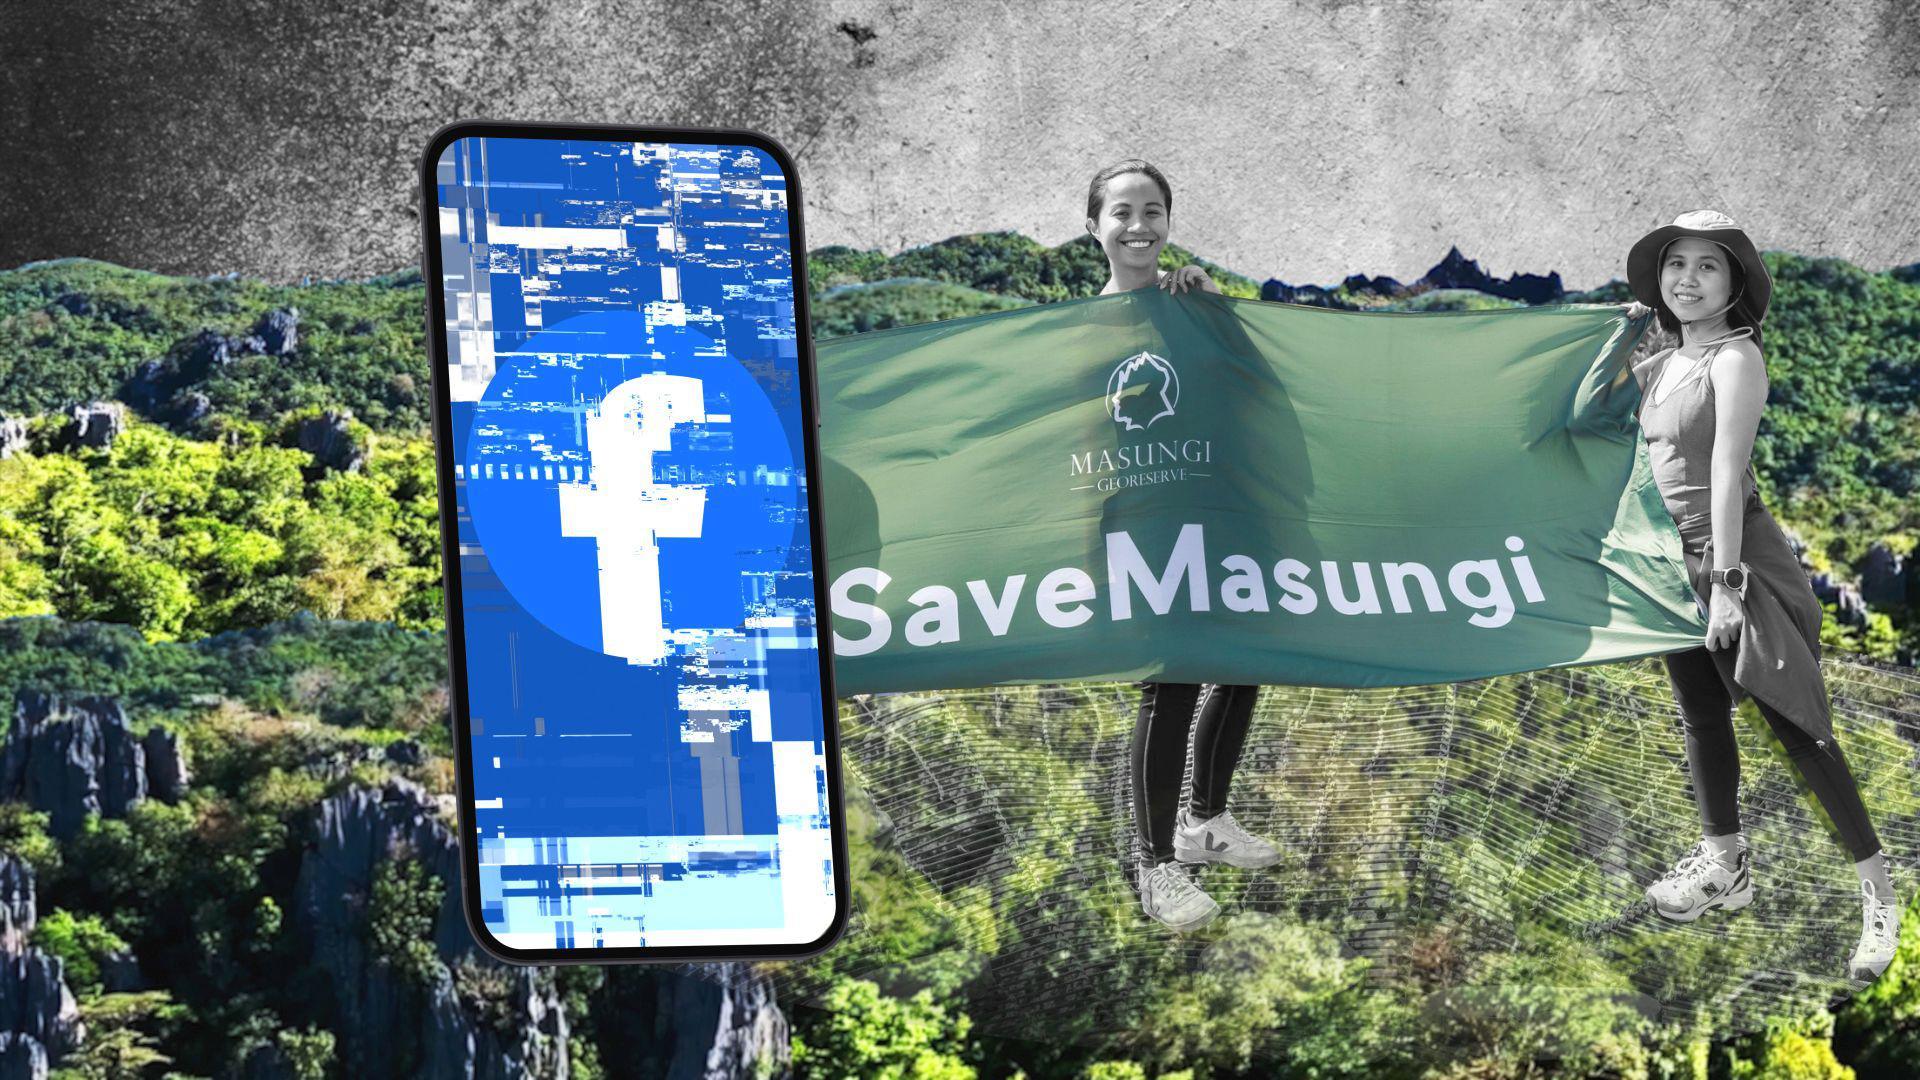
point(1455, 271)
point(1012, 264)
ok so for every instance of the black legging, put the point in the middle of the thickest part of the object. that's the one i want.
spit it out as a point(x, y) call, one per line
point(1160, 754)
point(1707, 709)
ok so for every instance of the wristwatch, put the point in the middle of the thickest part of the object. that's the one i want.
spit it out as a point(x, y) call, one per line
point(1734, 578)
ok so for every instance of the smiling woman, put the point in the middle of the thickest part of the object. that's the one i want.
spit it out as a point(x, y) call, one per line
point(1128, 207)
point(1700, 414)
point(1129, 212)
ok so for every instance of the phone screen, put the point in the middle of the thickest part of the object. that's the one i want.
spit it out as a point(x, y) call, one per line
point(626, 438)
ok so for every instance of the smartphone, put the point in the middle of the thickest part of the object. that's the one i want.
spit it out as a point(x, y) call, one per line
point(624, 425)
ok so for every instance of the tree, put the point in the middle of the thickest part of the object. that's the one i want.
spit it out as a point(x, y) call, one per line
point(400, 915)
point(23, 835)
point(309, 1052)
point(82, 941)
point(1789, 1053)
point(124, 1032)
point(865, 1033)
point(1271, 989)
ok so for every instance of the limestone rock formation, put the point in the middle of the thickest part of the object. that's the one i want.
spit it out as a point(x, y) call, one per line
point(1456, 271)
point(35, 1002)
point(278, 331)
point(71, 759)
point(120, 972)
point(1883, 576)
point(714, 1021)
point(167, 772)
point(390, 1024)
point(329, 438)
point(94, 426)
point(17, 912)
point(13, 436)
point(21, 1057)
point(39, 1018)
point(1845, 596)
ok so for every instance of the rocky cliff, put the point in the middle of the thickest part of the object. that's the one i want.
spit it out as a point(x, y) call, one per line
point(39, 1018)
point(392, 1023)
point(472, 1016)
point(76, 757)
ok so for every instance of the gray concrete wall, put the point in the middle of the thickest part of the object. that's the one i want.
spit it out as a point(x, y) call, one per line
point(1306, 139)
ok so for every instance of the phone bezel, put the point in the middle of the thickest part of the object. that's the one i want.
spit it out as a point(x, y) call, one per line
point(449, 536)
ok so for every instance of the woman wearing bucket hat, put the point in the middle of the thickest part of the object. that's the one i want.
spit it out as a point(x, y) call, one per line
point(1129, 205)
point(1700, 410)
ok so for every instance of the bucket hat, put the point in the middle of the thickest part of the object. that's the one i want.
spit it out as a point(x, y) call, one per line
point(1643, 262)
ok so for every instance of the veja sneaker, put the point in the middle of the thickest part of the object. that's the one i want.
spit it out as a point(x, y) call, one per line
point(1169, 895)
point(1700, 883)
point(1879, 935)
point(1220, 840)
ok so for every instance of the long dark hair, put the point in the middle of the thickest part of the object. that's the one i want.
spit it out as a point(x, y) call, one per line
point(1740, 314)
point(1097, 191)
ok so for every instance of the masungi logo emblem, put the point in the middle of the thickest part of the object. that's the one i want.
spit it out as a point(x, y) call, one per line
point(1142, 389)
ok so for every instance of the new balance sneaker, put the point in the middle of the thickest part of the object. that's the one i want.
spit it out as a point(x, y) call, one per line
point(1700, 883)
point(1169, 895)
point(1220, 840)
point(1879, 935)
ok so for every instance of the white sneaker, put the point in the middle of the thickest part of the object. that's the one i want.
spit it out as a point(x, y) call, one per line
point(1700, 883)
point(1169, 895)
point(1220, 840)
point(1879, 935)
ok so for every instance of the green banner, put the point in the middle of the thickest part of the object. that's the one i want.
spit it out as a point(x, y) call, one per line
point(1201, 489)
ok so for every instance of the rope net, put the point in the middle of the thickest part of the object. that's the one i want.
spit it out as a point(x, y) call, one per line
point(1467, 853)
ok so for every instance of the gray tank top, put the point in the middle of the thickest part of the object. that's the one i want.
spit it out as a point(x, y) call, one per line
point(1679, 432)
